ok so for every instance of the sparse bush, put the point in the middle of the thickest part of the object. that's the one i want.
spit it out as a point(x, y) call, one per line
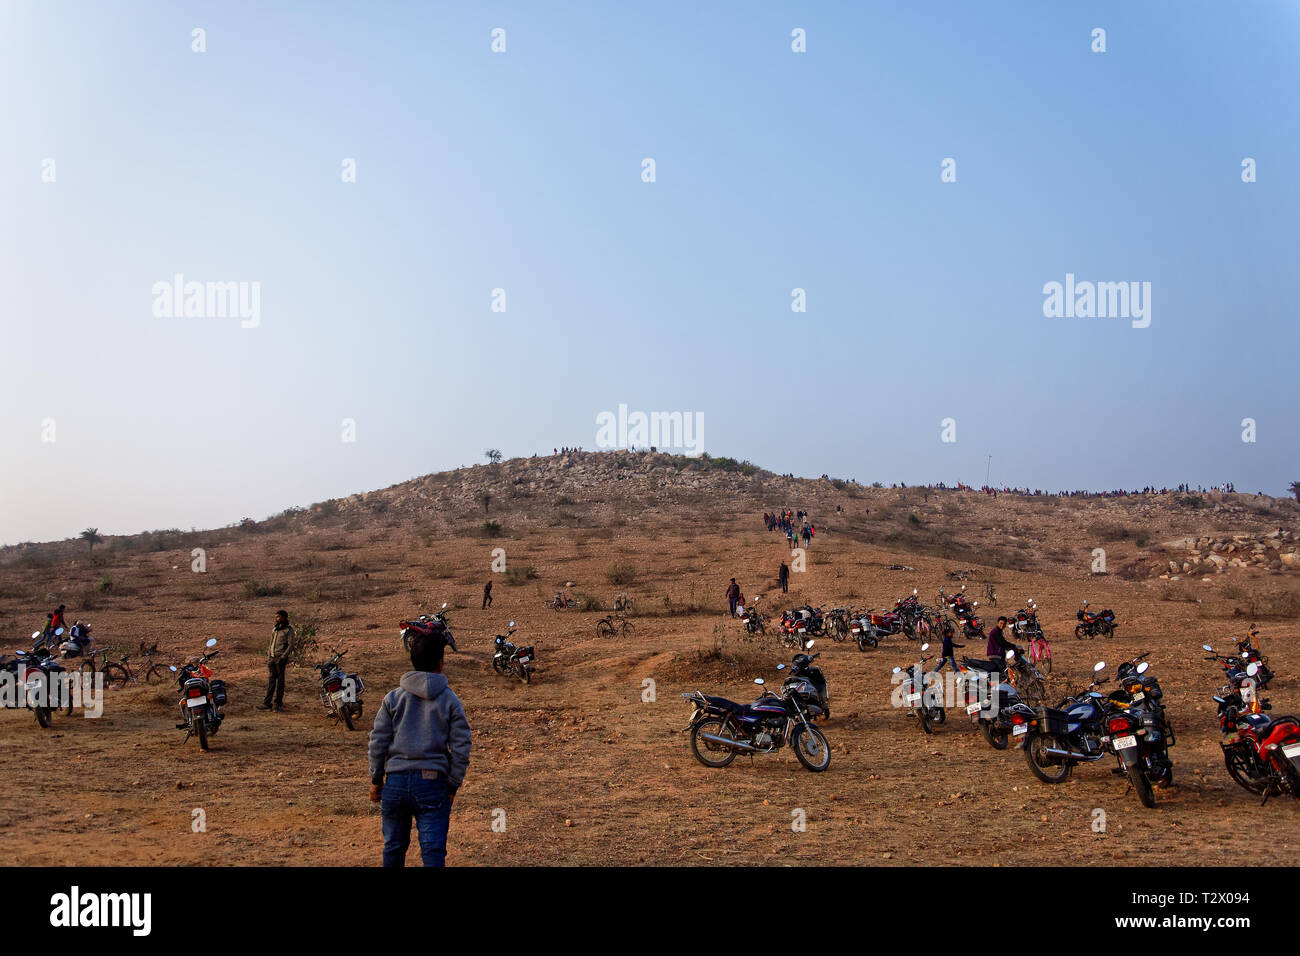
point(1191, 501)
point(587, 602)
point(564, 500)
point(621, 575)
point(492, 529)
point(105, 584)
point(254, 588)
point(517, 575)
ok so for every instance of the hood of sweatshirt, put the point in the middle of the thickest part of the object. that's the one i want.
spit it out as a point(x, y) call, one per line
point(423, 684)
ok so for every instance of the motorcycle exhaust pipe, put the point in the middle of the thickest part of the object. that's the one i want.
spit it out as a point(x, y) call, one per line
point(1063, 754)
point(728, 742)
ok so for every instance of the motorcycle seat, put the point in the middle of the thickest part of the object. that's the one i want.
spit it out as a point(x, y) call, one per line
point(981, 664)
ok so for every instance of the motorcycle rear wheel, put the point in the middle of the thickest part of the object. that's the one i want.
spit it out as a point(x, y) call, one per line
point(346, 714)
point(1137, 776)
point(525, 674)
point(811, 748)
point(1040, 764)
point(43, 716)
point(201, 731)
point(997, 739)
point(717, 755)
point(923, 715)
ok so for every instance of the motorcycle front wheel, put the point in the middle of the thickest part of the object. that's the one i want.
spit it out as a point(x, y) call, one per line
point(811, 748)
point(1045, 768)
point(1080, 631)
point(1239, 768)
point(707, 752)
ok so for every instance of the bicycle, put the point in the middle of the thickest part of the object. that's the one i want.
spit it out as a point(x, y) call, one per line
point(118, 673)
point(605, 627)
point(560, 604)
point(1040, 652)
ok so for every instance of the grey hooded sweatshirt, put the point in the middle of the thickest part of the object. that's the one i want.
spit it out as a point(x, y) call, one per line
point(420, 725)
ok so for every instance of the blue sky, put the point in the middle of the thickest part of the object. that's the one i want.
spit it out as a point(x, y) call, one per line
point(522, 171)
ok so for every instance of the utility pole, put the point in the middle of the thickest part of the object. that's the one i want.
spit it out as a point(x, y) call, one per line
point(987, 471)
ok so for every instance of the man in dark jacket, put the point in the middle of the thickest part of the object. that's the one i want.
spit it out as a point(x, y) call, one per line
point(277, 660)
point(421, 739)
point(998, 644)
point(487, 596)
point(784, 577)
point(733, 596)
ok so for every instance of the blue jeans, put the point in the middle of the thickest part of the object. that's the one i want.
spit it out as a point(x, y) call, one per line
point(406, 796)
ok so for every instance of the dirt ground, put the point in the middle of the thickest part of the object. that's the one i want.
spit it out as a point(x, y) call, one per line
point(580, 768)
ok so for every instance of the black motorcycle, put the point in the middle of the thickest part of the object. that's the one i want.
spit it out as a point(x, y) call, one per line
point(510, 659)
point(721, 728)
point(38, 681)
point(340, 692)
point(993, 700)
point(865, 632)
point(808, 682)
point(201, 697)
point(922, 696)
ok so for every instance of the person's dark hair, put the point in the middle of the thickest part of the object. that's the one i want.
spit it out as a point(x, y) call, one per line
point(1003, 620)
point(426, 652)
point(282, 613)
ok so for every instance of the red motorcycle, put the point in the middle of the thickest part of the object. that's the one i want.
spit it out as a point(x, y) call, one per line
point(1263, 752)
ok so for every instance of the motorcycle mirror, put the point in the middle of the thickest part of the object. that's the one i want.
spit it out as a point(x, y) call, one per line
point(809, 644)
point(1011, 655)
point(976, 604)
point(58, 631)
point(963, 587)
point(925, 647)
point(1085, 603)
point(913, 590)
point(1101, 666)
point(512, 623)
point(898, 670)
point(1207, 647)
point(172, 668)
point(35, 635)
point(780, 667)
point(212, 642)
point(1252, 669)
point(1142, 668)
point(444, 605)
point(759, 680)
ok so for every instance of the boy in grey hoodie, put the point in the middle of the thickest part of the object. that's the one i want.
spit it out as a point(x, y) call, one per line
point(421, 739)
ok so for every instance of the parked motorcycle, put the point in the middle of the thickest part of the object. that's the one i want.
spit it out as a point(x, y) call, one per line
point(1090, 624)
point(996, 698)
point(1261, 752)
point(428, 625)
point(864, 632)
point(721, 728)
point(808, 682)
point(509, 659)
point(753, 620)
point(340, 692)
point(919, 693)
point(38, 678)
point(201, 697)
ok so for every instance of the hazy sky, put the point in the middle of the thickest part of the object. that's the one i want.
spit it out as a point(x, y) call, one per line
point(523, 171)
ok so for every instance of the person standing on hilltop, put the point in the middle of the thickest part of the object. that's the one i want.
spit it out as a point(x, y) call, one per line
point(487, 596)
point(784, 577)
point(278, 660)
point(733, 596)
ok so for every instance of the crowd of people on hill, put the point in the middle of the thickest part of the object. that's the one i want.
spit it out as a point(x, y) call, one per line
point(793, 524)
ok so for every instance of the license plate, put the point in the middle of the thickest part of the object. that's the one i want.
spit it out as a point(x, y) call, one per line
point(197, 702)
point(1291, 750)
point(913, 698)
point(338, 695)
point(974, 709)
point(1125, 743)
point(524, 660)
point(1019, 729)
point(857, 630)
point(1138, 697)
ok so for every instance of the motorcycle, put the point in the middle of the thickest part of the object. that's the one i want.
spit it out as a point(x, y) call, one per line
point(913, 617)
point(38, 680)
point(1090, 624)
point(1261, 753)
point(1249, 653)
point(721, 728)
point(754, 622)
point(808, 682)
point(428, 625)
point(919, 694)
point(201, 697)
point(864, 632)
point(993, 711)
point(509, 659)
point(1233, 668)
point(340, 692)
